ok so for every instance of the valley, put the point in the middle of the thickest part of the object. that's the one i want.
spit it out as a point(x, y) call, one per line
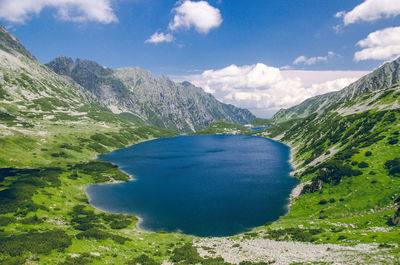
point(52, 128)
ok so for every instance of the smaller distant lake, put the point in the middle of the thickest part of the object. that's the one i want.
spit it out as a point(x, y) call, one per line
point(212, 185)
point(260, 128)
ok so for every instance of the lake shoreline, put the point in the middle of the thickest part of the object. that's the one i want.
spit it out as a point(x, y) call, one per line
point(133, 178)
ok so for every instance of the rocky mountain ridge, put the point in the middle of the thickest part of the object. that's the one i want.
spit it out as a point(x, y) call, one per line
point(382, 78)
point(155, 100)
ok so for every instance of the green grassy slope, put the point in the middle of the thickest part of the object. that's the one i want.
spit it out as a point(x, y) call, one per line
point(348, 160)
point(258, 122)
point(223, 127)
point(51, 130)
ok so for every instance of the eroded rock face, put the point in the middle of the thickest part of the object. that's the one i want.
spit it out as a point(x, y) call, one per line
point(156, 100)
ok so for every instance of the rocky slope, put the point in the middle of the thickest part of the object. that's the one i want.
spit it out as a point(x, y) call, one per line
point(382, 78)
point(39, 108)
point(156, 100)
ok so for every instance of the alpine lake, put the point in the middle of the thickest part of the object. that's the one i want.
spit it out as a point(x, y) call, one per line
point(212, 185)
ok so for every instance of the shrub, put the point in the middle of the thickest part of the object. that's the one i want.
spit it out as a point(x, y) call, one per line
point(13, 261)
point(101, 235)
point(101, 171)
point(187, 254)
point(84, 258)
point(73, 176)
point(142, 260)
point(368, 153)
point(34, 242)
point(32, 220)
point(297, 234)
point(315, 185)
point(98, 148)
point(363, 165)
point(17, 197)
point(322, 202)
point(120, 224)
point(5, 220)
point(393, 167)
point(356, 172)
point(333, 171)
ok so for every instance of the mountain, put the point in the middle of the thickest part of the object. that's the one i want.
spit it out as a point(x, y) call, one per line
point(382, 78)
point(347, 157)
point(43, 113)
point(155, 100)
point(52, 129)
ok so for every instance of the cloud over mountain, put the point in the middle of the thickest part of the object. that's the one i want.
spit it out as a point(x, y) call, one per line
point(264, 89)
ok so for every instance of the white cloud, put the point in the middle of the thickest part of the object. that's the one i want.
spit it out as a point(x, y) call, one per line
point(20, 11)
point(200, 15)
point(313, 60)
point(371, 10)
point(264, 89)
point(380, 45)
point(160, 37)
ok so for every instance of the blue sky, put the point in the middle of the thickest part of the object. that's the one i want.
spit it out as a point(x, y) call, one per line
point(270, 34)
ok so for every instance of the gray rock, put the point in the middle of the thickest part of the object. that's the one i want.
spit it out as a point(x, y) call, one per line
point(156, 100)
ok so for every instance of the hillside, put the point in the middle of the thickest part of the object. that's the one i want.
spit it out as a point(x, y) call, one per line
point(348, 161)
point(40, 108)
point(136, 93)
point(223, 127)
point(384, 77)
point(52, 129)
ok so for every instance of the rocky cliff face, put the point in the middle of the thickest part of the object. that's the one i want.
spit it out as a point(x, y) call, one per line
point(384, 77)
point(156, 100)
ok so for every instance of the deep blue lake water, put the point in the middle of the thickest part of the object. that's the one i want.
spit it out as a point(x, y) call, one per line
point(211, 185)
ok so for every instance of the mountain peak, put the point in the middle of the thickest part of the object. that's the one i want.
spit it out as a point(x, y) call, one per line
point(61, 65)
point(9, 43)
point(156, 100)
point(382, 78)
